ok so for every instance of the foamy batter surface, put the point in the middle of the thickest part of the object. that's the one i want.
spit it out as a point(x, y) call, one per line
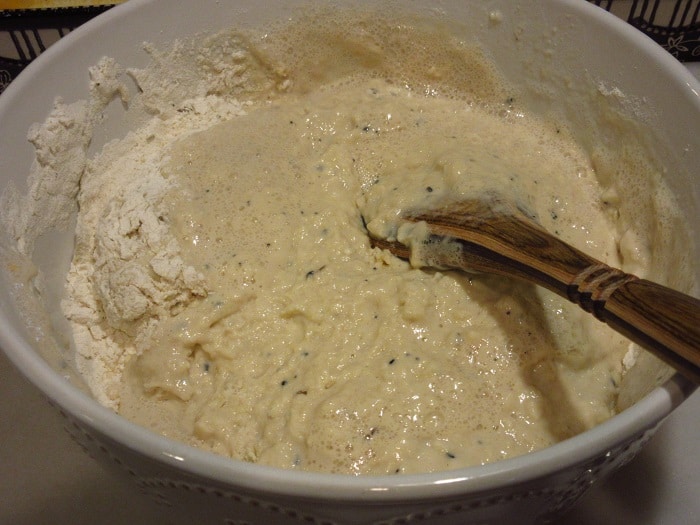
point(237, 282)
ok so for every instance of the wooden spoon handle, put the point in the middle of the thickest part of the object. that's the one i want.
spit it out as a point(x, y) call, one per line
point(664, 321)
point(661, 320)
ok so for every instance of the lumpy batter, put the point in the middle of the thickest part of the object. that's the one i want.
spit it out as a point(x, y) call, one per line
point(287, 340)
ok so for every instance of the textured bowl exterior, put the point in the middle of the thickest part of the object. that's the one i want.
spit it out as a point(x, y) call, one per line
point(199, 487)
point(199, 499)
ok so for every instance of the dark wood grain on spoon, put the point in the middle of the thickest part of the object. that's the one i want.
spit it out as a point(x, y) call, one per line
point(499, 238)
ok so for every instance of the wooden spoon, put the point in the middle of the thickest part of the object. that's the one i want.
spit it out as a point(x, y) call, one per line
point(493, 236)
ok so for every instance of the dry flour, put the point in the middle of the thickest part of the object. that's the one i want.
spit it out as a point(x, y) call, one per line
point(124, 280)
point(127, 278)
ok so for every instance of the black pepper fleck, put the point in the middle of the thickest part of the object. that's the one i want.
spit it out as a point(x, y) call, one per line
point(311, 273)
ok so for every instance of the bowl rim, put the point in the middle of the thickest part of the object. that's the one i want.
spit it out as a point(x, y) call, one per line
point(641, 417)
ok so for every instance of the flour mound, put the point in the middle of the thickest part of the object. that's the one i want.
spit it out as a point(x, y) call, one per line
point(127, 274)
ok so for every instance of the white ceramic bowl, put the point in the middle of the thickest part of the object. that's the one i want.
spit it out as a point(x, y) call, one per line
point(565, 44)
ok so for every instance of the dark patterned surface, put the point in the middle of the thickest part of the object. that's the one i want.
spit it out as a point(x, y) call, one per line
point(675, 26)
point(25, 34)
